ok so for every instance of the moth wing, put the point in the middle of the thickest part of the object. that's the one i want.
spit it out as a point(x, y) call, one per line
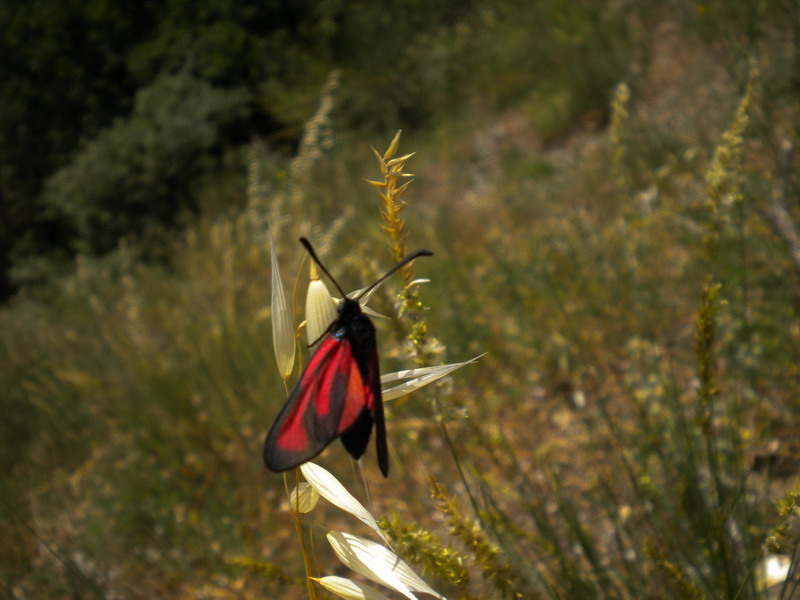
point(376, 408)
point(364, 406)
point(311, 417)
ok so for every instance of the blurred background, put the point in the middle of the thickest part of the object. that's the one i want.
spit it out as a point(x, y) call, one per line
point(611, 191)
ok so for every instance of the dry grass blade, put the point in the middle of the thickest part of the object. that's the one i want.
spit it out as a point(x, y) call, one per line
point(349, 589)
point(282, 325)
point(334, 492)
point(379, 564)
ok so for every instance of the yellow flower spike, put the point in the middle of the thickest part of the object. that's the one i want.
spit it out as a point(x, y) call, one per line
point(320, 306)
point(381, 162)
point(401, 190)
point(399, 161)
point(282, 326)
point(393, 146)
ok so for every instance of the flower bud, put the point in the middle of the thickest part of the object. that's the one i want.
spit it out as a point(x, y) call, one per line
point(320, 307)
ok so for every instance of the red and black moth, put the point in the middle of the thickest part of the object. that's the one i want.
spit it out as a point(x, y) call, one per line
point(339, 392)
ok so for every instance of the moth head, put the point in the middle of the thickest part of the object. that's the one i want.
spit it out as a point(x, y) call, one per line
point(348, 307)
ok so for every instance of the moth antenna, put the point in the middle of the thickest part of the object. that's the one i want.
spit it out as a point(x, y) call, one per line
point(406, 259)
point(313, 254)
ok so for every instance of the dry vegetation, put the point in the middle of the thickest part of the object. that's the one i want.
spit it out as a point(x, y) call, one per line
point(627, 435)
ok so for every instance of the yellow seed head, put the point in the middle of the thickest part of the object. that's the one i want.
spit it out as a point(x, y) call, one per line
point(320, 306)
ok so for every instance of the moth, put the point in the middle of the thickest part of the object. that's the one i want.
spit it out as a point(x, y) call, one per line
point(338, 394)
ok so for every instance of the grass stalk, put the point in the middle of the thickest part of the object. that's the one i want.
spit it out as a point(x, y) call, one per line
point(298, 525)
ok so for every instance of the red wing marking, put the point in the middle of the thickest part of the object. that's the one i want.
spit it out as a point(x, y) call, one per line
point(325, 402)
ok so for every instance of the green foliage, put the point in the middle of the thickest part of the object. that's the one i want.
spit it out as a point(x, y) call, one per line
point(88, 99)
point(72, 74)
point(64, 79)
point(141, 171)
